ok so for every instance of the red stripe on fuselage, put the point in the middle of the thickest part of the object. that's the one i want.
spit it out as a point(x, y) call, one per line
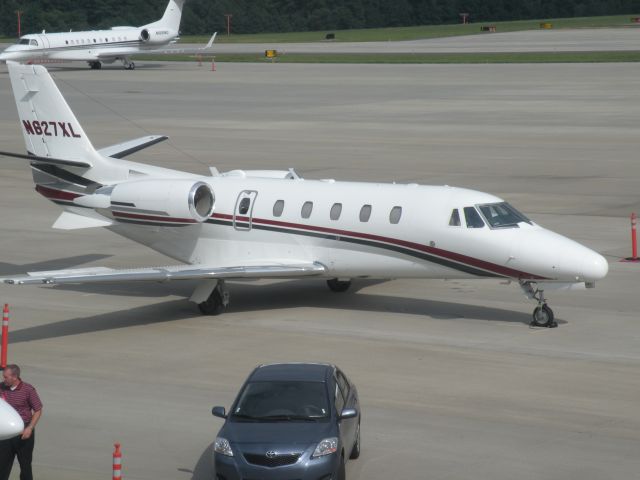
point(55, 194)
point(155, 218)
point(457, 257)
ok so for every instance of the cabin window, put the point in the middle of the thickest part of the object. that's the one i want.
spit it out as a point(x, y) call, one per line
point(66, 42)
point(473, 218)
point(365, 213)
point(307, 208)
point(243, 208)
point(395, 214)
point(278, 207)
point(335, 212)
point(454, 221)
point(94, 40)
point(119, 39)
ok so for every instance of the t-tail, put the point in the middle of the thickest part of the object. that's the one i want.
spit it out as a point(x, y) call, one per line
point(65, 164)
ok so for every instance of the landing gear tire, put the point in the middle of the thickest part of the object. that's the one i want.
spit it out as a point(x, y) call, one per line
point(543, 317)
point(131, 66)
point(217, 302)
point(95, 65)
point(336, 285)
point(355, 452)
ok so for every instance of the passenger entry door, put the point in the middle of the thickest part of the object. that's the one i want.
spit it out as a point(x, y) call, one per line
point(243, 211)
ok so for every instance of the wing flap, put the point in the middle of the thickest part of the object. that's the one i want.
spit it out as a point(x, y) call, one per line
point(124, 149)
point(165, 274)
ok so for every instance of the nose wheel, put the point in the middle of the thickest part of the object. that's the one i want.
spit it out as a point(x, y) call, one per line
point(542, 314)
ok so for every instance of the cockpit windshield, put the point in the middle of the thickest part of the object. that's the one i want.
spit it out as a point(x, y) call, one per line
point(502, 215)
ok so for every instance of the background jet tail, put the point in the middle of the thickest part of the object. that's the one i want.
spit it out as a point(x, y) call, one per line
point(172, 16)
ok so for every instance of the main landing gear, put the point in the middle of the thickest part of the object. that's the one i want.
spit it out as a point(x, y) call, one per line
point(128, 64)
point(337, 285)
point(95, 65)
point(542, 315)
point(217, 302)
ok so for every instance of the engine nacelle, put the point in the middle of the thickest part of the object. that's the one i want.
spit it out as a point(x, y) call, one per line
point(170, 200)
point(154, 37)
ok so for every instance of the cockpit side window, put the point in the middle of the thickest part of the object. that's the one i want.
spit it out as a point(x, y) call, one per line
point(454, 221)
point(473, 218)
point(502, 215)
point(33, 43)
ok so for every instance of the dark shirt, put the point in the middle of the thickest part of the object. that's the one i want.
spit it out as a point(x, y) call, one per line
point(24, 399)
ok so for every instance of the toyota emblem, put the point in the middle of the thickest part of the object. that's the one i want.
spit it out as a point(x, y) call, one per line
point(271, 454)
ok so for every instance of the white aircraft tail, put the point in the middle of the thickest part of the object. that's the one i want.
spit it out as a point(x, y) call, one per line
point(52, 133)
point(172, 16)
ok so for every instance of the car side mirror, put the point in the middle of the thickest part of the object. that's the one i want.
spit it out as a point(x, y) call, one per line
point(348, 413)
point(219, 412)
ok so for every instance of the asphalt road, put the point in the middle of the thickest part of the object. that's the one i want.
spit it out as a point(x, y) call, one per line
point(454, 384)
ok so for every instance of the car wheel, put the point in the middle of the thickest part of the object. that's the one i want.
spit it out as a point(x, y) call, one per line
point(355, 452)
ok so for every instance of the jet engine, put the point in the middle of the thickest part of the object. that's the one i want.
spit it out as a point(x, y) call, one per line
point(154, 37)
point(160, 198)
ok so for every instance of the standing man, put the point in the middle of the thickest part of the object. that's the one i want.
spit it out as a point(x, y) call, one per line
point(24, 399)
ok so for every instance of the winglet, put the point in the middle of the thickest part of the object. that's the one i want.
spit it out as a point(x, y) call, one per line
point(210, 43)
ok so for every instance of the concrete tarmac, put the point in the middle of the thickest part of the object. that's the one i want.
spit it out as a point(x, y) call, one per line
point(454, 383)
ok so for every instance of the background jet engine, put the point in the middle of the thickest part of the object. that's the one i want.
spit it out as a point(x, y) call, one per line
point(177, 199)
point(151, 37)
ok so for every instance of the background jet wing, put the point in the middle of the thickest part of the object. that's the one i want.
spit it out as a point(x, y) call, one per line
point(124, 149)
point(165, 274)
point(180, 50)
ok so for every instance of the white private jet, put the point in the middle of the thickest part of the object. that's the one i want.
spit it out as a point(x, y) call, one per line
point(11, 424)
point(269, 223)
point(101, 46)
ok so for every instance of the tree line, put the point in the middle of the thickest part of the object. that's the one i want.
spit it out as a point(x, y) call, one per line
point(256, 16)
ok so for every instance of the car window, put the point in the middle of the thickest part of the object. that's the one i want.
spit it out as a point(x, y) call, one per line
point(282, 400)
point(343, 383)
point(339, 399)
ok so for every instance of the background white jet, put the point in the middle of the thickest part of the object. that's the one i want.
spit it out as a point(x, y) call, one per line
point(101, 46)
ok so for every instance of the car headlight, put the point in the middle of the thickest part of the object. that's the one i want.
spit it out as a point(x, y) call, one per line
point(326, 447)
point(222, 447)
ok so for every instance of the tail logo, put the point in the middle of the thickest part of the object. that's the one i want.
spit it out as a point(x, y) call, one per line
point(49, 129)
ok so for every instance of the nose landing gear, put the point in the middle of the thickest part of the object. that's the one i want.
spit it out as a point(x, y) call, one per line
point(542, 314)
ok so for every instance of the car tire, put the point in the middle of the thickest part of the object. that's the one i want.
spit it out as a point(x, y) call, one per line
point(355, 452)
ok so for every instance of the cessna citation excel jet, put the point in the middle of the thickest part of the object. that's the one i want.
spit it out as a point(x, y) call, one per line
point(267, 223)
point(100, 46)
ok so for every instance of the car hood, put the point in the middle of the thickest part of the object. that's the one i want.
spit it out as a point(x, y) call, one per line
point(276, 432)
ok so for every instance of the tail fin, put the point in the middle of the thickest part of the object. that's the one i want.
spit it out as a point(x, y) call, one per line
point(50, 128)
point(172, 16)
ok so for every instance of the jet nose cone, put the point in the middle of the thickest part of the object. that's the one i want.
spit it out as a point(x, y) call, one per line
point(594, 266)
point(10, 422)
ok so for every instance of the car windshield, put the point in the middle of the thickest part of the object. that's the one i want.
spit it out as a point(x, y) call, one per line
point(501, 215)
point(282, 401)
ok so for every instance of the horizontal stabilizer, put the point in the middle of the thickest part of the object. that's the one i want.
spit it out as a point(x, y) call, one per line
point(50, 160)
point(164, 274)
point(74, 221)
point(124, 149)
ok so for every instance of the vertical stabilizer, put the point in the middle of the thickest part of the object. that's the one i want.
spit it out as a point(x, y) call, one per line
point(172, 16)
point(49, 127)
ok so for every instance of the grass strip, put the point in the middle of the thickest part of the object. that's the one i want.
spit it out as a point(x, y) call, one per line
point(416, 32)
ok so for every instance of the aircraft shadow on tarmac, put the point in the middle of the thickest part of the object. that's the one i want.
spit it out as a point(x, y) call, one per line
point(59, 263)
point(249, 298)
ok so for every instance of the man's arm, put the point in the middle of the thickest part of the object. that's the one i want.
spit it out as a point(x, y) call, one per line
point(29, 428)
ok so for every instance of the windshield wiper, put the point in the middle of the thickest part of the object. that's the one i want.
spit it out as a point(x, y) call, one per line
point(289, 418)
point(244, 416)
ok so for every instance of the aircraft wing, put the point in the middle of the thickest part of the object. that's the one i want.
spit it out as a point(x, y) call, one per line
point(181, 51)
point(164, 274)
point(124, 149)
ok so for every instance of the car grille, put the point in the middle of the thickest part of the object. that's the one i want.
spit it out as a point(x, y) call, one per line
point(278, 460)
